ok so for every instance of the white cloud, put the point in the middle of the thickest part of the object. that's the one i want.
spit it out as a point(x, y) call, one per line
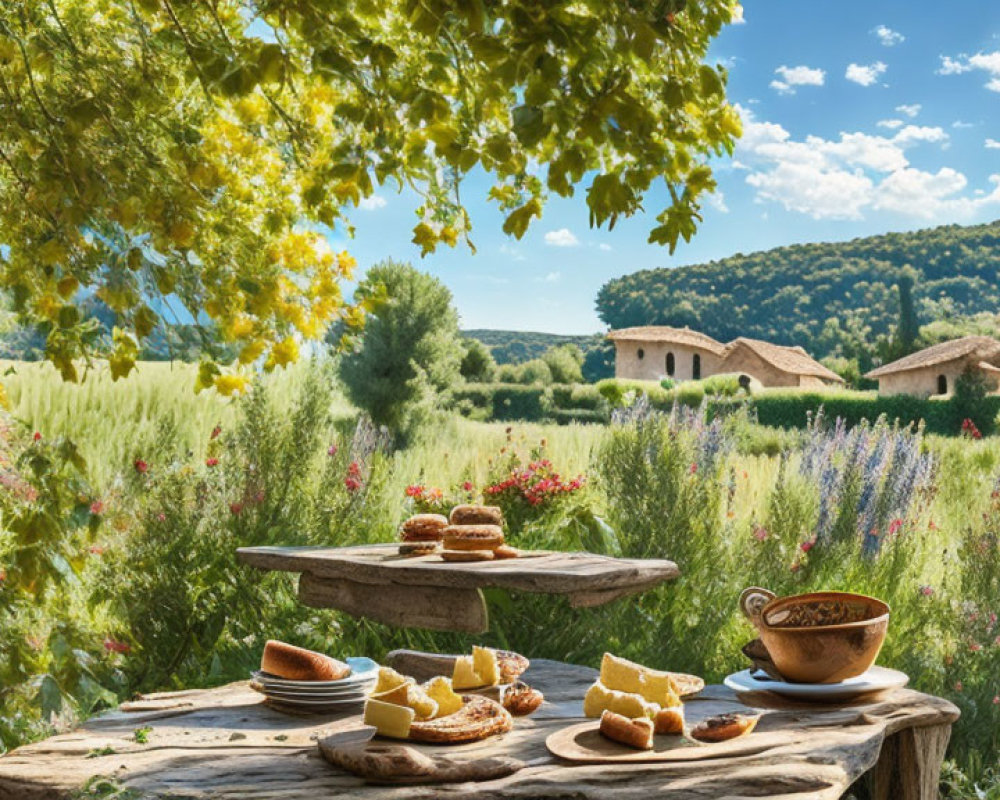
point(604, 246)
point(891, 124)
point(910, 111)
point(992, 144)
point(797, 76)
point(561, 238)
point(717, 200)
point(552, 277)
point(987, 62)
point(888, 36)
point(372, 202)
point(959, 124)
point(843, 178)
point(865, 74)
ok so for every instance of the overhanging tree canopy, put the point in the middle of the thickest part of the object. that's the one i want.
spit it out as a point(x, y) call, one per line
point(165, 153)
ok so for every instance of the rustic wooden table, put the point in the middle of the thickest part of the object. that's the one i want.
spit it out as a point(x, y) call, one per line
point(426, 592)
point(226, 743)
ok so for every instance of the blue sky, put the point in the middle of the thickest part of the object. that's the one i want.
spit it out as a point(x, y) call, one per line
point(859, 118)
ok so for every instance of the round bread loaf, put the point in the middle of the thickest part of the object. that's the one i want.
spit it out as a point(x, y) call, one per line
point(473, 537)
point(669, 720)
point(476, 515)
point(423, 527)
point(723, 727)
point(298, 664)
point(505, 551)
point(637, 733)
point(520, 699)
point(467, 555)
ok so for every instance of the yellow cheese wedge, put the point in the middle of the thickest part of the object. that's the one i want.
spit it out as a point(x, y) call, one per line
point(484, 662)
point(389, 719)
point(396, 695)
point(600, 698)
point(439, 690)
point(422, 705)
point(623, 675)
point(660, 688)
point(388, 679)
point(465, 675)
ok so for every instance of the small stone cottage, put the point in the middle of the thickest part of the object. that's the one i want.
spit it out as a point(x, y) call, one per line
point(654, 352)
point(933, 370)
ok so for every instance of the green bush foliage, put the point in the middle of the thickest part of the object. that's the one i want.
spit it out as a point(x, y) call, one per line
point(477, 364)
point(565, 363)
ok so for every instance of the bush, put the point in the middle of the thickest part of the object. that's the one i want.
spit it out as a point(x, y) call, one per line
point(969, 400)
point(512, 402)
point(565, 363)
point(579, 396)
point(477, 365)
point(566, 416)
point(725, 385)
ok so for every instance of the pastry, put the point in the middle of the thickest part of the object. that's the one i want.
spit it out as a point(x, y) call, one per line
point(669, 720)
point(478, 718)
point(413, 549)
point(423, 527)
point(298, 664)
point(476, 515)
point(520, 699)
point(467, 555)
point(600, 698)
point(512, 665)
point(723, 727)
point(505, 551)
point(388, 679)
point(473, 537)
point(637, 733)
point(440, 690)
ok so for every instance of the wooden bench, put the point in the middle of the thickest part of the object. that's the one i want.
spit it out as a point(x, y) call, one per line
point(227, 743)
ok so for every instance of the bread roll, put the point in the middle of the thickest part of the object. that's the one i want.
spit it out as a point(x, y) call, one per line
point(505, 551)
point(467, 555)
point(723, 727)
point(520, 699)
point(669, 720)
point(473, 537)
point(298, 664)
point(637, 733)
point(476, 515)
point(423, 527)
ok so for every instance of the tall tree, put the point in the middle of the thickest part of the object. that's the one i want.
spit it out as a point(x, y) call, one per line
point(411, 352)
point(179, 153)
point(908, 330)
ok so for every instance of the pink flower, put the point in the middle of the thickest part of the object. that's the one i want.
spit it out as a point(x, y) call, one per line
point(975, 647)
point(236, 508)
point(114, 646)
point(958, 686)
point(97, 507)
point(467, 486)
point(894, 526)
point(435, 494)
point(95, 550)
point(37, 437)
point(760, 533)
point(352, 483)
point(331, 450)
point(807, 545)
point(926, 591)
point(161, 517)
point(141, 466)
point(414, 490)
point(215, 432)
point(996, 699)
point(211, 462)
point(694, 469)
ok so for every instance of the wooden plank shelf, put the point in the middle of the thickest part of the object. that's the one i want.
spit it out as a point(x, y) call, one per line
point(374, 581)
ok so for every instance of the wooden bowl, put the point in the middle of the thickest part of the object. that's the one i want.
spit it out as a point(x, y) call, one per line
point(822, 637)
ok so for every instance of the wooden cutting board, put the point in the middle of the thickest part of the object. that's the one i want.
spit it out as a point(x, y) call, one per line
point(382, 763)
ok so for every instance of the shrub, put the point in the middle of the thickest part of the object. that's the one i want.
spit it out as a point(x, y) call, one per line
point(534, 372)
point(725, 385)
point(969, 401)
point(512, 402)
point(578, 396)
point(477, 364)
point(567, 416)
point(565, 363)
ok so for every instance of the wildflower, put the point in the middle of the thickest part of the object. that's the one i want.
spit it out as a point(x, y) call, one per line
point(211, 462)
point(796, 566)
point(354, 469)
point(141, 466)
point(331, 450)
point(958, 686)
point(435, 494)
point(161, 517)
point(996, 699)
point(114, 646)
point(467, 486)
point(760, 533)
point(807, 545)
point(414, 490)
point(215, 432)
point(694, 468)
point(975, 647)
point(926, 591)
point(37, 437)
point(352, 483)
point(236, 508)
point(894, 526)
point(95, 550)
point(3, 575)
point(97, 507)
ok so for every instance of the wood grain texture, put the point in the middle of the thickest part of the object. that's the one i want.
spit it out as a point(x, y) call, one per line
point(225, 744)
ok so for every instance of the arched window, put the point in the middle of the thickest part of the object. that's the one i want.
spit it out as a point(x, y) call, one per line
point(696, 367)
point(670, 363)
point(641, 353)
point(942, 384)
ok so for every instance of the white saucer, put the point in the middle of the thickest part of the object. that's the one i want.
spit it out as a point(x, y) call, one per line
point(363, 670)
point(875, 679)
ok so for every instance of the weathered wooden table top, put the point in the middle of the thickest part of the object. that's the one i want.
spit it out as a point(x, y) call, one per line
point(374, 581)
point(226, 743)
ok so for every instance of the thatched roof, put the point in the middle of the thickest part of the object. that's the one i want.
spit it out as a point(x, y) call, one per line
point(980, 348)
point(662, 333)
point(793, 360)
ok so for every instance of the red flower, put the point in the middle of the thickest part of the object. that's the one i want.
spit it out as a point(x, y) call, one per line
point(760, 533)
point(37, 437)
point(95, 550)
point(211, 462)
point(467, 486)
point(996, 699)
point(352, 483)
point(354, 469)
point(894, 526)
point(694, 468)
point(3, 575)
point(414, 490)
point(258, 498)
point(331, 450)
point(161, 517)
point(236, 508)
point(926, 591)
point(807, 546)
point(97, 507)
point(958, 686)
point(141, 466)
point(114, 646)
point(215, 432)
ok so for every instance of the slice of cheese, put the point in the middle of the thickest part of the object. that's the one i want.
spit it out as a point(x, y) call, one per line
point(465, 675)
point(389, 719)
point(600, 698)
point(388, 679)
point(623, 675)
point(439, 690)
point(396, 695)
point(484, 662)
point(422, 705)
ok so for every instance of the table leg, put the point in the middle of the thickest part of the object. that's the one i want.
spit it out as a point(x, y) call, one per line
point(909, 766)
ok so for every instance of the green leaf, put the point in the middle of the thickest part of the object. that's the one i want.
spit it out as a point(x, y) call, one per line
point(529, 125)
point(518, 220)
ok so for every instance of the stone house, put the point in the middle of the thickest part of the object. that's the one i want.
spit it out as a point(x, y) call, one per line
point(654, 352)
point(933, 370)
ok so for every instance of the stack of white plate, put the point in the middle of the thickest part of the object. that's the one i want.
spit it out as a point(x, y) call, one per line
point(320, 696)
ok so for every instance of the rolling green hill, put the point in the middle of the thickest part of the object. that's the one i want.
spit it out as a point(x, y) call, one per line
point(820, 296)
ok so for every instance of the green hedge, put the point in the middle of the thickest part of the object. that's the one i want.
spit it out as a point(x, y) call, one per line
point(511, 401)
point(586, 416)
point(578, 396)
